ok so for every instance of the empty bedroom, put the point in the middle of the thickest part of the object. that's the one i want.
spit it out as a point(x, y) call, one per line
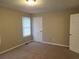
point(39, 29)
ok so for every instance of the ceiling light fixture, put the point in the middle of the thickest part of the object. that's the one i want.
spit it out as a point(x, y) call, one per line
point(31, 2)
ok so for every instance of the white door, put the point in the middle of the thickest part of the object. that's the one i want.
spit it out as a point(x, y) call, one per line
point(37, 28)
point(74, 33)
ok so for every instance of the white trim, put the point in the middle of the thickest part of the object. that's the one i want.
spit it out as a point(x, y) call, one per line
point(14, 47)
point(52, 43)
point(73, 51)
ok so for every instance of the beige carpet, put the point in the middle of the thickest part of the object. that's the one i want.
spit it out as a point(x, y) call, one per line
point(36, 50)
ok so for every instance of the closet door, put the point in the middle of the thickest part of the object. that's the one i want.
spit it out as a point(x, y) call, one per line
point(74, 33)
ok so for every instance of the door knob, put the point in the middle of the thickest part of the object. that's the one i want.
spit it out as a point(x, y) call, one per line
point(40, 31)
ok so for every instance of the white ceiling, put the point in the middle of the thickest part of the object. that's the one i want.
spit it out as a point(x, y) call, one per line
point(41, 5)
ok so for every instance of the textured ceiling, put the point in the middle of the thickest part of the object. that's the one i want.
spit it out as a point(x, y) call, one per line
point(41, 5)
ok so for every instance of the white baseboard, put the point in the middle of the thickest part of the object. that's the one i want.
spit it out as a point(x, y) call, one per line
point(14, 47)
point(74, 50)
point(52, 43)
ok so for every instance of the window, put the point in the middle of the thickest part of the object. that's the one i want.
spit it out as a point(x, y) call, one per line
point(26, 24)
